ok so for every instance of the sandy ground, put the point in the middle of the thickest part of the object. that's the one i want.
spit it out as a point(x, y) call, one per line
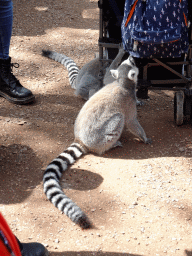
point(138, 197)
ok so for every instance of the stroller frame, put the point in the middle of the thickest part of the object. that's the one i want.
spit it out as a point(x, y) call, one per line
point(181, 81)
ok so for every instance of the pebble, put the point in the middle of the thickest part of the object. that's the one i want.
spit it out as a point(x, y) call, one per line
point(143, 229)
point(22, 122)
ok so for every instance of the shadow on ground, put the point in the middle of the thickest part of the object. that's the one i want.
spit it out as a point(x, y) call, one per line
point(21, 171)
point(46, 14)
point(188, 253)
point(17, 178)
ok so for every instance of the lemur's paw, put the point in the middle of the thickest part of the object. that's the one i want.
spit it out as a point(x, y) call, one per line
point(140, 103)
point(118, 144)
point(148, 141)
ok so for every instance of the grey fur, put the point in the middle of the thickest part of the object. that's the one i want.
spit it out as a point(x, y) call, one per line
point(85, 81)
point(98, 128)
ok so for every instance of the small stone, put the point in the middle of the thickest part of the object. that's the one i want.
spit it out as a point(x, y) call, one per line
point(142, 229)
point(21, 122)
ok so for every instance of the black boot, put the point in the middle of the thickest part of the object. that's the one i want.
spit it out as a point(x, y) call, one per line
point(32, 249)
point(10, 87)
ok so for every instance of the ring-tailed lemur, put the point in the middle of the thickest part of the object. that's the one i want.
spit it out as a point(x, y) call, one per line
point(98, 128)
point(85, 81)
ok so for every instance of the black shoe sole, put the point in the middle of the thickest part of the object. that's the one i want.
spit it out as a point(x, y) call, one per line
point(28, 250)
point(19, 101)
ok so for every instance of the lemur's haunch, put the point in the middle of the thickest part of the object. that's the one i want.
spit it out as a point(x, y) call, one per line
point(98, 128)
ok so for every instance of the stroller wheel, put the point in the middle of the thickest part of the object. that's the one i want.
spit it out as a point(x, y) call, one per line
point(178, 107)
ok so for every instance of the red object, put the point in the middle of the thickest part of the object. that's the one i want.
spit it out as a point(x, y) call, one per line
point(8, 242)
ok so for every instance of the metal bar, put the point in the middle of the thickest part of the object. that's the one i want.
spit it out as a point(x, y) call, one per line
point(172, 70)
point(145, 72)
point(166, 89)
point(170, 63)
point(100, 38)
point(109, 45)
point(171, 81)
point(101, 19)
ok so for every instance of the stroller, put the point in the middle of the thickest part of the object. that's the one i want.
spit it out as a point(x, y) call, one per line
point(165, 73)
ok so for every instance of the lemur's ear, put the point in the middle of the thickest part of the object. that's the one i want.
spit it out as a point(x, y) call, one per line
point(130, 61)
point(114, 73)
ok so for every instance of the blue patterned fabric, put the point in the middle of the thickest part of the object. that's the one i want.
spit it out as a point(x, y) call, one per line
point(157, 28)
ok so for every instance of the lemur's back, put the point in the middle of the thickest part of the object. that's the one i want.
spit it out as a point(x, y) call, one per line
point(105, 110)
point(108, 100)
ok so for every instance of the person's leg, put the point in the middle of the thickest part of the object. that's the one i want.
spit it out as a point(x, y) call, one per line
point(10, 87)
point(6, 21)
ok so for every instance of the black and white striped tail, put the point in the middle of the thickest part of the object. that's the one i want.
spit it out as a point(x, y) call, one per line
point(71, 66)
point(54, 191)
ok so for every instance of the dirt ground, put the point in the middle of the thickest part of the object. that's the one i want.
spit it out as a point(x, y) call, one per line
point(138, 197)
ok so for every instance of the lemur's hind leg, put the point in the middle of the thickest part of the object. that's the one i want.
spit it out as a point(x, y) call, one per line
point(110, 133)
point(118, 144)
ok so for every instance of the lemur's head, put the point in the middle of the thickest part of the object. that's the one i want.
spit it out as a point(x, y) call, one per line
point(128, 68)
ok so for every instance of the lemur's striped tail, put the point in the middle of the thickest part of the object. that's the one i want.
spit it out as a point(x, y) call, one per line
point(53, 189)
point(71, 66)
